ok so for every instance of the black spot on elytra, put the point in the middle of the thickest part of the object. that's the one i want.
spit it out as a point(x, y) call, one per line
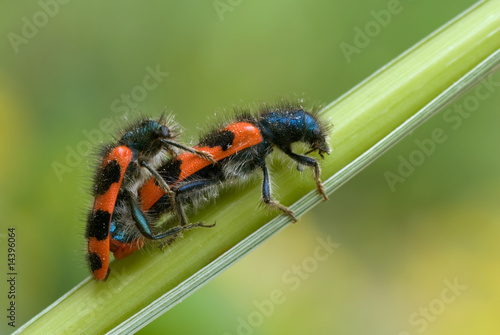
point(94, 261)
point(98, 225)
point(170, 171)
point(107, 177)
point(223, 139)
point(211, 172)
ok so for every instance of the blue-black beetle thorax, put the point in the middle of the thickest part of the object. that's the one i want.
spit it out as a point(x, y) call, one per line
point(144, 138)
point(286, 127)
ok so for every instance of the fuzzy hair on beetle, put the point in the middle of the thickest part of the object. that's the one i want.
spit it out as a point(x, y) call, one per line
point(122, 167)
point(240, 146)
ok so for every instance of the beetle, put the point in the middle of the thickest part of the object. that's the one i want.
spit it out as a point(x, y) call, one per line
point(125, 165)
point(239, 148)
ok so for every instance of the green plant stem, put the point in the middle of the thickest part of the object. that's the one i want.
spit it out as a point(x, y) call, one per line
point(368, 120)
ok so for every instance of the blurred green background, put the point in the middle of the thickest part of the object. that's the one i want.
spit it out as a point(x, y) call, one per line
point(401, 248)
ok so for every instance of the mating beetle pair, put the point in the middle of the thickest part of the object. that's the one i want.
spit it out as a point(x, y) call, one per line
point(143, 176)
